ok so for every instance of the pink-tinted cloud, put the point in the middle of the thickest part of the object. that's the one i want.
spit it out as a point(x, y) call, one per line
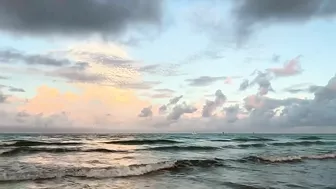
point(293, 67)
point(90, 106)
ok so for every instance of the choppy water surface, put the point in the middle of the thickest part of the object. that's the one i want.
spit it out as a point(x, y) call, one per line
point(160, 161)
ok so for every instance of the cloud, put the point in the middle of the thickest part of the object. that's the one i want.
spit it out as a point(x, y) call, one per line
point(244, 85)
point(301, 87)
point(101, 57)
point(3, 97)
point(179, 110)
point(139, 85)
point(160, 69)
point(88, 106)
point(292, 68)
point(146, 112)
point(231, 113)
point(265, 114)
point(78, 18)
point(175, 100)
point(160, 93)
point(262, 79)
point(210, 106)
point(23, 114)
point(249, 15)
point(163, 109)
point(14, 89)
point(111, 64)
point(22, 121)
point(77, 74)
point(11, 56)
point(204, 81)
point(4, 77)
point(294, 112)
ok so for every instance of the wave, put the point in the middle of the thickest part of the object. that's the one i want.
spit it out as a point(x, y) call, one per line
point(184, 148)
point(241, 186)
point(310, 138)
point(302, 143)
point(281, 144)
point(255, 145)
point(221, 140)
point(109, 172)
point(288, 159)
point(259, 139)
point(40, 143)
point(30, 150)
point(143, 142)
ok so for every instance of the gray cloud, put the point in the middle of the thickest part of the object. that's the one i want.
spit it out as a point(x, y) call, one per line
point(244, 85)
point(101, 58)
point(22, 114)
point(204, 81)
point(3, 77)
point(161, 69)
point(263, 80)
point(14, 89)
point(301, 87)
point(146, 112)
point(78, 17)
point(163, 109)
point(13, 56)
point(161, 93)
point(175, 100)
point(77, 73)
point(3, 97)
point(294, 112)
point(210, 106)
point(249, 14)
point(231, 113)
point(180, 109)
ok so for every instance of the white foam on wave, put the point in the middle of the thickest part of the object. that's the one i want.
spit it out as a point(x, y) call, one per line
point(299, 158)
point(108, 172)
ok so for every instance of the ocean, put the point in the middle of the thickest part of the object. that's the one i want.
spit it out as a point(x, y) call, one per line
point(160, 161)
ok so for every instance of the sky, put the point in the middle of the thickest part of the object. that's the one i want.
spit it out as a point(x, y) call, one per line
point(168, 66)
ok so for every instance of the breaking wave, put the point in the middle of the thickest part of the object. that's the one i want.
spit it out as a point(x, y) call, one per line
point(39, 143)
point(108, 172)
point(142, 142)
point(30, 150)
point(40, 173)
point(288, 159)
